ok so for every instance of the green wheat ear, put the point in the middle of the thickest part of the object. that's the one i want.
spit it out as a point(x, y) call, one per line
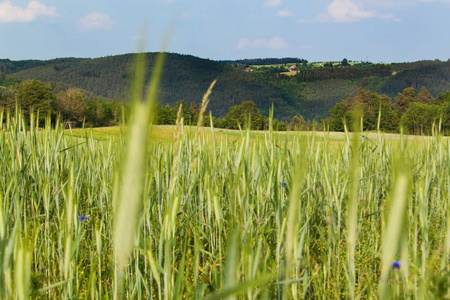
point(128, 204)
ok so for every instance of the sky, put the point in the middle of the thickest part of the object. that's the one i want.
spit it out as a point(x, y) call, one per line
point(316, 30)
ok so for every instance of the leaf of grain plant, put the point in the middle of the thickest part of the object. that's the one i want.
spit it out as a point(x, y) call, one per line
point(129, 202)
point(294, 216)
point(394, 230)
point(2, 218)
point(232, 264)
point(352, 208)
point(22, 273)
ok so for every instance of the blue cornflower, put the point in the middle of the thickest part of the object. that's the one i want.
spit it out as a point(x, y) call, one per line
point(396, 265)
point(283, 184)
point(83, 218)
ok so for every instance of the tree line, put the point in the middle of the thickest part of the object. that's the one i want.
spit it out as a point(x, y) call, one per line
point(415, 113)
point(81, 108)
point(72, 104)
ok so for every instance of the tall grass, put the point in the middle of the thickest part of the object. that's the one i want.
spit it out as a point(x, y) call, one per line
point(273, 216)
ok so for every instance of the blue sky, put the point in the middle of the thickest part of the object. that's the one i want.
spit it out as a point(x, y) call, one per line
point(316, 30)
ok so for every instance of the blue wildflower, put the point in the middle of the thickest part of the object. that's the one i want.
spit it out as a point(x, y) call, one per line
point(83, 218)
point(396, 265)
point(283, 184)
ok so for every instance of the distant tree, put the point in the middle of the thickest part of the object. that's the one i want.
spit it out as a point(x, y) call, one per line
point(424, 96)
point(243, 115)
point(165, 115)
point(389, 120)
point(7, 97)
point(34, 94)
point(100, 113)
point(340, 115)
point(403, 99)
point(443, 98)
point(297, 123)
point(371, 104)
point(71, 104)
point(420, 117)
point(194, 111)
point(344, 63)
point(279, 125)
point(445, 109)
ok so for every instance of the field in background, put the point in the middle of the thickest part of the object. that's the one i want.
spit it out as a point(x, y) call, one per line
point(167, 133)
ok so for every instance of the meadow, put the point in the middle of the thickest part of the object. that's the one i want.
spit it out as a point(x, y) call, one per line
point(196, 213)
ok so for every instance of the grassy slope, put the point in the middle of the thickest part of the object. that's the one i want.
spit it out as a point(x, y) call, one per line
point(167, 133)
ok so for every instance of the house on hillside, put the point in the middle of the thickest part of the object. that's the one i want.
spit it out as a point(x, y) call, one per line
point(292, 68)
point(248, 69)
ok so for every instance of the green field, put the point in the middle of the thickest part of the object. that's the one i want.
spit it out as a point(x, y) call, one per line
point(217, 214)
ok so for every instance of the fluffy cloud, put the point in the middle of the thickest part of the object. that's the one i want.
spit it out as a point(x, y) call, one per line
point(284, 13)
point(275, 43)
point(344, 11)
point(347, 11)
point(96, 20)
point(272, 3)
point(15, 14)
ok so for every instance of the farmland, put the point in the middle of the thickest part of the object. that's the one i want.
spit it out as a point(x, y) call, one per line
point(222, 214)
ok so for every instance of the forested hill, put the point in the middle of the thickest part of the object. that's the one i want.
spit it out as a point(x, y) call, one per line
point(184, 77)
point(297, 87)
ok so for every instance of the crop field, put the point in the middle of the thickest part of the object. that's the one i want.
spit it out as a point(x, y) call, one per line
point(187, 213)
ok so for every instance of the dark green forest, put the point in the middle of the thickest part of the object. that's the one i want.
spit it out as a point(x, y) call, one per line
point(309, 92)
point(184, 78)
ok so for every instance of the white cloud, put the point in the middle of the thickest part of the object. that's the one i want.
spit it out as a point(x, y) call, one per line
point(15, 14)
point(96, 20)
point(272, 3)
point(345, 11)
point(275, 43)
point(284, 13)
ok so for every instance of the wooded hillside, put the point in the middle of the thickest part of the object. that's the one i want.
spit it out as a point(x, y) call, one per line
point(311, 92)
